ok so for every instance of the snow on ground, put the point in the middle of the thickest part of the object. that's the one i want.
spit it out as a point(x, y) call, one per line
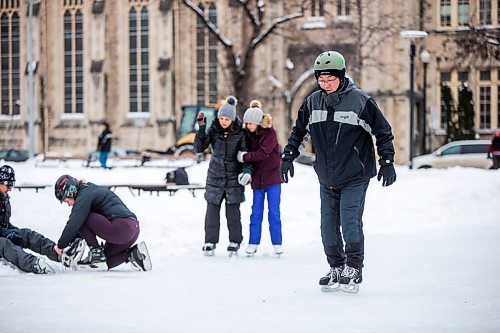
point(432, 261)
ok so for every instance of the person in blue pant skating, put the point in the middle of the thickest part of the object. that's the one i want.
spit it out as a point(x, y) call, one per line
point(264, 154)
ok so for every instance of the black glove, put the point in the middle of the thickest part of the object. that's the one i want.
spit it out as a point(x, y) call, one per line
point(286, 167)
point(289, 154)
point(202, 122)
point(386, 172)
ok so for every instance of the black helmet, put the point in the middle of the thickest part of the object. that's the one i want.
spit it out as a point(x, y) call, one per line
point(66, 187)
point(7, 175)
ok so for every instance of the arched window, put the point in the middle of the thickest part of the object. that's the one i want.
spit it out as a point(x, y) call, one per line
point(73, 57)
point(10, 91)
point(206, 59)
point(139, 57)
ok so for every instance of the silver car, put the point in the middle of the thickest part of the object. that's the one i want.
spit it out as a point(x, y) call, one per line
point(465, 153)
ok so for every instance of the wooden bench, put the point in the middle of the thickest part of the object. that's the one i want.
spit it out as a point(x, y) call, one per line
point(170, 188)
point(32, 187)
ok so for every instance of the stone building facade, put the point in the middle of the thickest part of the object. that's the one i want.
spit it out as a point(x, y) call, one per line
point(135, 63)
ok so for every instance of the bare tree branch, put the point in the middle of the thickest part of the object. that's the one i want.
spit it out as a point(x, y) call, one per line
point(273, 25)
point(256, 21)
point(225, 41)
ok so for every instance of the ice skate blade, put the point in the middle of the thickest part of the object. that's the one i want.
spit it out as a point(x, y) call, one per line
point(146, 258)
point(350, 288)
point(330, 288)
point(250, 254)
point(209, 253)
point(232, 253)
point(99, 267)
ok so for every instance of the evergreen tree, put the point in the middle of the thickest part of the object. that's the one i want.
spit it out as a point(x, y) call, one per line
point(465, 113)
point(448, 107)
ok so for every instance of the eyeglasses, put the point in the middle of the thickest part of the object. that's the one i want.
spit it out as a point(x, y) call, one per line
point(323, 82)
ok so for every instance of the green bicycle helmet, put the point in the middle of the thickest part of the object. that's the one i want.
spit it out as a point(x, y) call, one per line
point(329, 63)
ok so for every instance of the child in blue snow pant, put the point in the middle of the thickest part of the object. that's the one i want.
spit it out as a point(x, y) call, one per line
point(273, 202)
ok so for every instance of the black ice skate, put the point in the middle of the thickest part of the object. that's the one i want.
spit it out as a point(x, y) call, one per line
point(209, 249)
point(41, 267)
point(233, 248)
point(330, 282)
point(350, 279)
point(139, 257)
point(95, 260)
point(73, 253)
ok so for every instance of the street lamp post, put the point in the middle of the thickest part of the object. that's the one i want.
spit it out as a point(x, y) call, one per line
point(412, 35)
point(425, 58)
point(31, 111)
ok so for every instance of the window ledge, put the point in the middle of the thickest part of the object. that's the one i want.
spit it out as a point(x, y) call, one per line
point(72, 116)
point(315, 22)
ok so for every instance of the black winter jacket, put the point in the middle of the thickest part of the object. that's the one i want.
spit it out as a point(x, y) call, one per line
point(104, 141)
point(95, 199)
point(5, 212)
point(341, 125)
point(224, 167)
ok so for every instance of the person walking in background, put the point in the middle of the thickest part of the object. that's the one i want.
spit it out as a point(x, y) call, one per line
point(226, 176)
point(13, 239)
point(494, 150)
point(104, 144)
point(264, 154)
point(341, 120)
point(97, 211)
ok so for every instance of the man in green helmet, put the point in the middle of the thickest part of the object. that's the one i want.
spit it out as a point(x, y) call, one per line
point(341, 120)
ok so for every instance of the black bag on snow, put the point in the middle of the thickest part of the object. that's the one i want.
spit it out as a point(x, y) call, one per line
point(178, 176)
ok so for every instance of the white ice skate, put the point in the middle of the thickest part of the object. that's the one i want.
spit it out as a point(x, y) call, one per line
point(278, 250)
point(251, 249)
point(73, 254)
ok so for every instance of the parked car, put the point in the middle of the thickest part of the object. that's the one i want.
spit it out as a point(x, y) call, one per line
point(14, 155)
point(464, 153)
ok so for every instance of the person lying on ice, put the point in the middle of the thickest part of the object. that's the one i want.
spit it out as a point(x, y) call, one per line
point(97, 211)
point(14, 240)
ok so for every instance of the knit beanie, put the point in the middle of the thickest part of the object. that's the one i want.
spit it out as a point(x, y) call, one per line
point(7, 175)
point(254, 113)
point(228, 109)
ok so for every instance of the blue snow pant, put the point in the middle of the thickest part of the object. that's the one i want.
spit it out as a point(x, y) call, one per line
point(273, 203)
point(103, 158)
point(343, 207)
point(14, 241)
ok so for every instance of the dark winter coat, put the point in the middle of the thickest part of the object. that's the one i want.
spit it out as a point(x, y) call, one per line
point(494, 146)
point(5, 212)
point(264, 154)
point(224, 167)
point(341, 125)
point(104, 141)
point(96, 199)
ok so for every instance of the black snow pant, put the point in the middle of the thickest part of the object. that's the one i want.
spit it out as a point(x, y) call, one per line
point(212, 223)
point(496, 162)
point(13, 241)
point(343, 208)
